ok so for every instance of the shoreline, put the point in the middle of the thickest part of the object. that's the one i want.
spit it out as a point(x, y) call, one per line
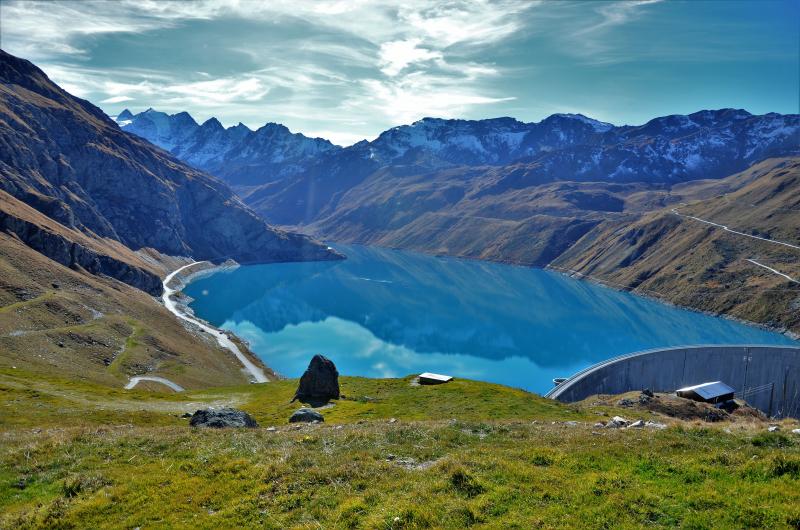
point(575, 275)
point(182, 311)
point(257, 375)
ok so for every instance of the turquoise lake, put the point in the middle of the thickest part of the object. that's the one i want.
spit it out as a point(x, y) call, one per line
point(387, 313)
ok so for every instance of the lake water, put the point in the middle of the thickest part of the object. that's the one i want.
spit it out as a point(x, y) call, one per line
point(387, 313)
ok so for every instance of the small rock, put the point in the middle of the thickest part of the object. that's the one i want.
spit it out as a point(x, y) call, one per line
point(655, 425)
point(222, 418)
point(638, 424)
point(796, 431)
point(305, 415)
point(56, 285)
point(270, 429)
point(571, 423)
point(60, 344)
point(647, 392)
point(390, 457)
point(186, 415)
point(339, 427)
point(20, 484)
point(599, 425)
point(393, 420)
point(773, 428)
point(617, 422)
point(625, 402)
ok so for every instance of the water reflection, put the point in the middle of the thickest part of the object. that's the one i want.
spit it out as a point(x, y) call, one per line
point(390, 313)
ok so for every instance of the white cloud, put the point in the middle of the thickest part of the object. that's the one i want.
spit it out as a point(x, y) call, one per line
point(413, 57)
point(396, 55)
point(117, 99)
point(222, 90)
point(416, 96)
point(472, 22)
point(593, 41)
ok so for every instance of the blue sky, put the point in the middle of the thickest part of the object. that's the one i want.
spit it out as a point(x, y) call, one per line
point(348, 69)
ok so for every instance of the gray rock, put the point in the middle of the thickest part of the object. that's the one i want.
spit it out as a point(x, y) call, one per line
point(625, 402)
point(222, 418)
point(320, 382)
point(655, 425)
point(305, 415)
point(796, 431)
point(638, 424)
point(773, 428)
point(617, 422)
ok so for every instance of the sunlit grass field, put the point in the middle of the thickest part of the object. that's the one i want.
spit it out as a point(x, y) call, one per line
point(390, 455)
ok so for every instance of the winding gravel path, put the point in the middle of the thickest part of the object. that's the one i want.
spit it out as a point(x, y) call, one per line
point(754, 262)
point(779, 273)
point(255, 372)
point(774, 241)
point(136, 380)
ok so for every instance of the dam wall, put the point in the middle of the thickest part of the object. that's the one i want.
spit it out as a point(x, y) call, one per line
point(767, 377)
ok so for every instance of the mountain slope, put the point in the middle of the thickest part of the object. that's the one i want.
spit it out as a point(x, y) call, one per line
point(293, 180)
point(695, 264)
point(88, 327)
point(237, 154)
point(87, 213)
point(65, 158)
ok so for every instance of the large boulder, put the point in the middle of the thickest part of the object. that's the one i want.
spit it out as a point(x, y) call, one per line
point(306, 416)
point(222, 418)
point(320, 382)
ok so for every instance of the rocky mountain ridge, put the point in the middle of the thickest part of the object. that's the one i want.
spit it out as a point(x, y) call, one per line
point(65, 158)
point(237, 154)
point(506, 154)
point(562, 146)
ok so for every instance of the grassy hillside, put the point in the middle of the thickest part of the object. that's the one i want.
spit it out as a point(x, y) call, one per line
point(463, 454)
point(697, 265)
point(55, 320)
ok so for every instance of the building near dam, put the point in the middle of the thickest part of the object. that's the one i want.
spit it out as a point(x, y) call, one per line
point(766, 377)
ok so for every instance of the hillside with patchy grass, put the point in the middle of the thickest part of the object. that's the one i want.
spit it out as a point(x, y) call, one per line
point(56, 320)
point(389, 455)
point(671, 254)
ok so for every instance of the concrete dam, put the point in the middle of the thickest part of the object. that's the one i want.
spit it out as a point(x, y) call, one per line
point(766, 377)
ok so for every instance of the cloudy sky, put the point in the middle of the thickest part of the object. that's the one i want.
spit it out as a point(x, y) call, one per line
point(348, 69)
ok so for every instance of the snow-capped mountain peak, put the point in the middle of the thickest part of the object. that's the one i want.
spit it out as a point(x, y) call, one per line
point(669, 148)
point(237, 154)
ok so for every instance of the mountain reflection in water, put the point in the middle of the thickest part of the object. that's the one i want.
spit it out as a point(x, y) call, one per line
point(387, 313)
